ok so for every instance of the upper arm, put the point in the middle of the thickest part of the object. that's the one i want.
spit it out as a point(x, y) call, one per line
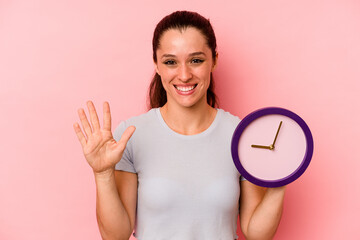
point(127, 184)
point(250, 197)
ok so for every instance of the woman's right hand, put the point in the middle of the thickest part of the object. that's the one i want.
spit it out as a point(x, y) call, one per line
point(100, 149)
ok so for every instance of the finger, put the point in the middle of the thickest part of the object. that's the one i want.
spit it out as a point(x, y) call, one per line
point(79, 134)
point(107, 116)
point(84, 122)
point(125, 137)
point(93, 116)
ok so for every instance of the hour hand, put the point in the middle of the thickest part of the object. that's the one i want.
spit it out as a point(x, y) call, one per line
point(261, 146)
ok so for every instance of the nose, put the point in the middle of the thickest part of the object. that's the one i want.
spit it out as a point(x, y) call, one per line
point(184, 73)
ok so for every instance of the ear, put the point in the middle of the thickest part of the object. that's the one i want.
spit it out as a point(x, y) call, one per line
point(156, 67)
point(215, 62)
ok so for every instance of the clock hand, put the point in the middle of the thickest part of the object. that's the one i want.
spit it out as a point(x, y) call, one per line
point(260, 146)
point(273, 144)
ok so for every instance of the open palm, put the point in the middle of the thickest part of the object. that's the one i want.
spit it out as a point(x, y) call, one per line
point(100, 149)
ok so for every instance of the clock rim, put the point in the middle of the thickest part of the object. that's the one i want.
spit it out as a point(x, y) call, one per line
point(263, 112)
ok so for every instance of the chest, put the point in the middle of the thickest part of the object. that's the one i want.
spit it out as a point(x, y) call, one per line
point(175, 174)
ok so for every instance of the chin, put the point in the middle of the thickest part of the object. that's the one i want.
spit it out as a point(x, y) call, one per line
point(190, 104)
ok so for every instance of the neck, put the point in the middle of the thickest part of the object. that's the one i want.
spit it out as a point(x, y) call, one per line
point(188, 120)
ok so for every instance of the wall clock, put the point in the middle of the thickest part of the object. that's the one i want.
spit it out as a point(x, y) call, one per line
point(272, 147)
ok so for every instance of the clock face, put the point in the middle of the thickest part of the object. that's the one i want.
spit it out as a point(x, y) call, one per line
point(272, 147)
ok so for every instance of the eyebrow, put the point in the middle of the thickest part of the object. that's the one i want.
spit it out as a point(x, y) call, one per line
point(191, 54)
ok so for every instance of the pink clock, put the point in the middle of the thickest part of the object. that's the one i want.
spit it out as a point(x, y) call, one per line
point(272, 147)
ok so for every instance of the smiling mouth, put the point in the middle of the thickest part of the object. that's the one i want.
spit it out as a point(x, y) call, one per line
point(185, 89)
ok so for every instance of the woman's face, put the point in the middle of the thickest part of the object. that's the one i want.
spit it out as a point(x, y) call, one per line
point(184, 62)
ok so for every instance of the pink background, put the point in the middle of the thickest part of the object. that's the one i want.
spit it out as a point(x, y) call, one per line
point(55, 55)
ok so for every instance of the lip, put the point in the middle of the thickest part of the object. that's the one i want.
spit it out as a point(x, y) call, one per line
point(185, 85)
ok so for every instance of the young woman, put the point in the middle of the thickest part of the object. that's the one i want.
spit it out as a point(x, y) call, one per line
point(173, 177)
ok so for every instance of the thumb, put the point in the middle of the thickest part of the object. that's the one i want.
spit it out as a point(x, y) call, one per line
point(125, 137)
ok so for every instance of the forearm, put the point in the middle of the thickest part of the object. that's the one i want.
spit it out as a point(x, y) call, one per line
point(113, 220)
point(266, 217)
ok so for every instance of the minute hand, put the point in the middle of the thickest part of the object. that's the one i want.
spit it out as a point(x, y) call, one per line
point(277, 134)
point(261, 146)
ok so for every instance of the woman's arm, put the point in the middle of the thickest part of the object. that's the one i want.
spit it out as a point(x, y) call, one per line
point(260, 210)
point(116, 194)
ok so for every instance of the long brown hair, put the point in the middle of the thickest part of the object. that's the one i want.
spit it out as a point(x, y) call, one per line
point(181, 20)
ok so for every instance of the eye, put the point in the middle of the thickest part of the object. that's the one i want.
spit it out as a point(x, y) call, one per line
point(197, 60)
point(169, 62)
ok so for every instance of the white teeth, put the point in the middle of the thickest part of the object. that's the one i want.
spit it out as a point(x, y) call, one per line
point(185, 89)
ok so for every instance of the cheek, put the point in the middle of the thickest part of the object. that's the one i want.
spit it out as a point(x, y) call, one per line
point(205, 74)
point(165, 82)
point(166, 73)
